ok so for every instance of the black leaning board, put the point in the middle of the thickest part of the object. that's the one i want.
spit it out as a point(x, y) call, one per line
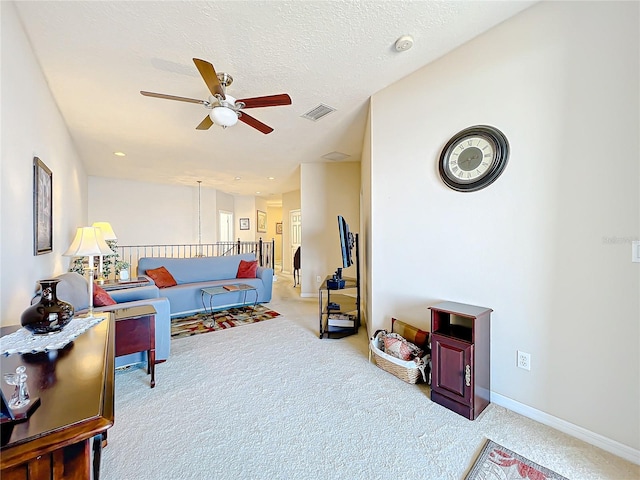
point(6, 415)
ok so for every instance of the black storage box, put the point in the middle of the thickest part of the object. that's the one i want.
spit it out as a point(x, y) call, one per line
point(335, 284)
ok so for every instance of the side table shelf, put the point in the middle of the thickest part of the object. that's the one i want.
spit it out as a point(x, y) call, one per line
point(344, 319)
point(119, 285)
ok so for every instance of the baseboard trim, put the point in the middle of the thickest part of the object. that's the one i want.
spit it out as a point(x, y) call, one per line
point(611, 446)
point(309, 295)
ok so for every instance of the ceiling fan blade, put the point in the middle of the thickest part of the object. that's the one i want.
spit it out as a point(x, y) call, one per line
point(268, 101)
point(172, 97)
point(209, 76)
point(252, 122)
point(205, 124)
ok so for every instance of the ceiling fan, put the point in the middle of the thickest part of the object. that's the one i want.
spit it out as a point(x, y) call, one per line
point(225, 109)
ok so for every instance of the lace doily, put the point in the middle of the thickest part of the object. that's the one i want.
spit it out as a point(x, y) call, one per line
point(23, 341)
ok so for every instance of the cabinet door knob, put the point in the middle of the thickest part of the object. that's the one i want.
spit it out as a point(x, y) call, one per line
point(467, 375)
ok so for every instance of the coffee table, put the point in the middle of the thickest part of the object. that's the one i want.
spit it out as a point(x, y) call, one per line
point(229, 288)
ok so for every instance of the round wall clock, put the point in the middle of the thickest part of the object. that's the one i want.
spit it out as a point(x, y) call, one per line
point(474, 158)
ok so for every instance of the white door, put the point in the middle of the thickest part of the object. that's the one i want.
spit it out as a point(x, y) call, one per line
point(295, 220)
point(226, 226)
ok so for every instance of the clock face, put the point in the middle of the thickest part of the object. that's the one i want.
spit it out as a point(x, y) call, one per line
point(471, 159)
point(474, 158)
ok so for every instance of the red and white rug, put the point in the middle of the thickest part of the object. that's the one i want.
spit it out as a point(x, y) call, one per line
point(223, 319)
point(496, 462)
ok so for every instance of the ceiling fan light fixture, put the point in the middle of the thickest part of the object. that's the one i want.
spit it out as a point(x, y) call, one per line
point(223, 116)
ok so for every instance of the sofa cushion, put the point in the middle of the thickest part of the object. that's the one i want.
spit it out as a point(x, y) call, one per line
point(101, 297)
point(196, 269)
point(247, 269)
point(162, 277)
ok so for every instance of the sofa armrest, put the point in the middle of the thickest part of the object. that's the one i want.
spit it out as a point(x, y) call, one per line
point(135, 293)
point(263, 272)
point(266, 275)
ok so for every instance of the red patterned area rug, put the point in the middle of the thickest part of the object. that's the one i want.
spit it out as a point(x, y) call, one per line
point(232, 317)
point(498, 463)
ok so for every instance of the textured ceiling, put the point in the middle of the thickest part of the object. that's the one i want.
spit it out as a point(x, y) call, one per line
point(97, 56)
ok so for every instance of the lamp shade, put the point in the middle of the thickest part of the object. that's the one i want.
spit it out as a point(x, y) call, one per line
point(223, 116)
point(88, 242)
point(107, 231)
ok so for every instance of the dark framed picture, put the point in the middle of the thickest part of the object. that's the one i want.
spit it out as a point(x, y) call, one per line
point(42, 208)
point(279, 228)
point(244, 224)
point(261, 221)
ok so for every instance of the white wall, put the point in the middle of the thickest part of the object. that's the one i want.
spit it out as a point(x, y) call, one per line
point(246, 208)
point(290, 201)
point(143, 213)
point(561, 81)
point(225, 202)
point(327, 190)
point(31, 126)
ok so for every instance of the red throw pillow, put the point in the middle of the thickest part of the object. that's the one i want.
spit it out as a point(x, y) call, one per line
point(162, 277)
point(247, 269)
point(101, 297)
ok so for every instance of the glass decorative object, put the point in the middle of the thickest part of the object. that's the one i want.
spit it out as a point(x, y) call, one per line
point(20, 397)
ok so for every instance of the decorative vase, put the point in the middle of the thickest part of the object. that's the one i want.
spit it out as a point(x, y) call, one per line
point(124, 275)
point(50, 314)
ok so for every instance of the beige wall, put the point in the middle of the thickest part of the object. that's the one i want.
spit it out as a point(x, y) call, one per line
point(274, 215)
point(327, 190)
point(31, 126)
point(561, 81)
point(366, 214)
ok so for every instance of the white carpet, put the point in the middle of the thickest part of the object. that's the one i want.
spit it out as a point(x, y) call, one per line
point(272, 401)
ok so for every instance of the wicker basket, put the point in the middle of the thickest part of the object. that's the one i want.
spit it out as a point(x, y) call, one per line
point(407, 371)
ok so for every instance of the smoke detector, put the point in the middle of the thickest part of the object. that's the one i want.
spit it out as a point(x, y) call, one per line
point(404, 43)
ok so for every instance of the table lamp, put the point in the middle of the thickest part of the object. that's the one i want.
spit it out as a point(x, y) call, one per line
point(109, 235)
point(89, 242)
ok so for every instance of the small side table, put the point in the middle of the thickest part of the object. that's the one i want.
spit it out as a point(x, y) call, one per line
point(230, 288)
point(136, 332)
point(119, 285)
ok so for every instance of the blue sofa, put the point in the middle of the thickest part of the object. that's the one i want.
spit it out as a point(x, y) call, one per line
point(194, 274)
point(74, 288)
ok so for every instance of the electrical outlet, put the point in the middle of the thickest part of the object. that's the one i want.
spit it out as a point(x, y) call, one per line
point(318, 279)
point(635, 251)
point(524, 360)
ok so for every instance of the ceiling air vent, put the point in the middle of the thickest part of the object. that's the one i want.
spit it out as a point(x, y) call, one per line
point(318, 112)
point(336, 156)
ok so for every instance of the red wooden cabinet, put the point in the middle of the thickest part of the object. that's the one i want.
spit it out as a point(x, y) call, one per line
point(460, 356)
point(136, 332)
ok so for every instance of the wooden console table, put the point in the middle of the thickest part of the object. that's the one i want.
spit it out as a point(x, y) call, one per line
point(63, 438)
